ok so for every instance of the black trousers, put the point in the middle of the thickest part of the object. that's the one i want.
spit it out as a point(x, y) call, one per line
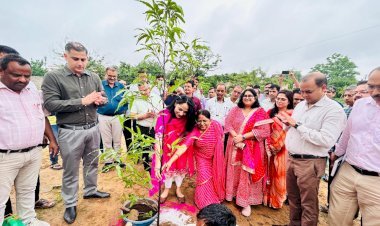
point(148, 132)
point(131, 124)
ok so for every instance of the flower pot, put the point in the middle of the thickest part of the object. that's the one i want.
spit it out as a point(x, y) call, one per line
point(144, 205)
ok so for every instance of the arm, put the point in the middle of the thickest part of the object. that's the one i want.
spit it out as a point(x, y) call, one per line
point(53, 146)
point(229, 121)
point(294, 79)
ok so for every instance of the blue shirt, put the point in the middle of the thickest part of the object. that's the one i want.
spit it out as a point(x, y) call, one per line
point(113, 100)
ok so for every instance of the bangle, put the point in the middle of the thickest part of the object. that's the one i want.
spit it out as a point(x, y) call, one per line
point(243, 137)
point(177, 155)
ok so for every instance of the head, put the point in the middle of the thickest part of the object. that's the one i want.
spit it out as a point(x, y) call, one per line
point(313, 87)
point(297, 97)
point(348, 95)
point(160, 79)
point(331, 92)
point(257, 89)
point(189, 88)
point(221, 90)
point(266, 88)
point(196, 82)
point(284, 101)
point(215, 215)
point(236, 92)
point(249, 87)
point(374, 84)
point(203, 120)
point(248, 98)
point(76, 57)
point(144, 89)
point(182, 107)
point(211, 92)
point(15, 72)
point(111, 75)
point(5, 50)
point(180, 91)
point(273, 91)
point(361, 90)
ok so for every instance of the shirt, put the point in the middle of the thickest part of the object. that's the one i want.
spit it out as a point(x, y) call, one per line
point(142, 106)
point(63, 92)
point(321, 125)
point(219, 110)
point(360, 140)
point(113, 100)
point(22, 120)
point(267, 104)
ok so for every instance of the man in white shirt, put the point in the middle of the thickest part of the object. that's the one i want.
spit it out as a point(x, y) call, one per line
point(219, 106)
point(268, 103)
point(144, 110)
point(235, 94)
point(315, 126)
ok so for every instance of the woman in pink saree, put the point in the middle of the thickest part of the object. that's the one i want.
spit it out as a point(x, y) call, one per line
point(173, 124)
point(207, 142)
point(247, 128)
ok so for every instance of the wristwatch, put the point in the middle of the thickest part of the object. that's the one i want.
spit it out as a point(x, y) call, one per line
point(297, 124)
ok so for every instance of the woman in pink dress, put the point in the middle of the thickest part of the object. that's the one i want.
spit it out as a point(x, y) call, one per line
point(173, 124)
point(247, 130)
point(207, 142)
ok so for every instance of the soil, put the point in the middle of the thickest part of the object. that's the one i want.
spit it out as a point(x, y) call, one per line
point(107, 211)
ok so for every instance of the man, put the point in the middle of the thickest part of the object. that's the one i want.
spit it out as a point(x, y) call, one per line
point(348, 97)
point(109, 124)
point(144, 110)
point(211, 93)
point(189, 88)
point(331, 93)
point(315, 126)
point(235, 94)
point(23, 125)
point(361, 90)
point(159, 89)
point(297, 96)
point(268, 103)
point(74, 94)
point(215, 215)
point(219, 106)
point(142, 77)
point(358, 180)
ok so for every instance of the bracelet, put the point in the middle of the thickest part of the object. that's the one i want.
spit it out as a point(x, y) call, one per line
point(243, 137)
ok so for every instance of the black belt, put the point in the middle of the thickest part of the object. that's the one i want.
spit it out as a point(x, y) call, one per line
point(297, 156)
point(21, 150)
point(365, 172)
point(84, 127)
point(110, 114)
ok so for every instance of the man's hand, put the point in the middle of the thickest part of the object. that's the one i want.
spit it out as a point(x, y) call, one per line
point(53, 148)
point(91, 98)
point(333, 157)
point(286, 119)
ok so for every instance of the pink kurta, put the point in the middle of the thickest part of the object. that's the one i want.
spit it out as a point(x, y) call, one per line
point(239, 183)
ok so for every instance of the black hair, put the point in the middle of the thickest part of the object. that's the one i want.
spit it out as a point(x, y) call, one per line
point(190, 115)
point(8, 50)
point(159, 76)
point(269, 83)
point(211, 88)
point(256, 104)
point(191, 82)
point(274, 86)
point(171, 83)
point(296, 90)
point(217, 215)
point(204, 113)
point(362, 82)
point(289, 96)
point(75, 46)
point(256, 87)
point(10, 58)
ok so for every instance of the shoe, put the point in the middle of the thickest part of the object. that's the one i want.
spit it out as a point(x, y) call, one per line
point(324, 209)
point(36, 222)
point(325, 178)
point(70, 214)
point(180, 199)
point(97, 195)
point(56, 166)
point(44, 204)
point(246, 211)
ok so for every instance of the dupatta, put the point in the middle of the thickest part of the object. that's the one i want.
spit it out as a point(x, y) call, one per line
point(219, 163)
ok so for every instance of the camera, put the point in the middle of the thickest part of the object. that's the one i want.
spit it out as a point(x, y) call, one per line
point(285, 72)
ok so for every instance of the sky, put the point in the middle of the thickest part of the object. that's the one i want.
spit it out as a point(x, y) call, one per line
point(247, 34)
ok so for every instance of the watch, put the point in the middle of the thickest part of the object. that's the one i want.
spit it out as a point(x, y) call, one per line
point(297, 124)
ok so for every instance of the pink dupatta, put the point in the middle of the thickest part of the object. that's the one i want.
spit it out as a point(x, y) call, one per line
point(219, 163)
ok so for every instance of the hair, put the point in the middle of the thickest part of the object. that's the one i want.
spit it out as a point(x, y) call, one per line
point(350, 88)
point(256, 86)
point(268, 83)
point(331, 88)
point(375, 69)
point(319, 79)
point(222, 84)
point(159, 76)
point(297, 90)
point(217, 215)
point(195, 78)
point(204, 113)
point(256, 104)
point(362, 82)
point(190, 115)
point(12, 58)
point(171, 83)
point(75, 46)
point(274, 86)
point(8, 50)
point(211, 88)
point(289, 96)
point(191, 82)
point(111, 68)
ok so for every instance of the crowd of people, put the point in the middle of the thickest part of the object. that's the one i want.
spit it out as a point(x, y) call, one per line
point(247, 146)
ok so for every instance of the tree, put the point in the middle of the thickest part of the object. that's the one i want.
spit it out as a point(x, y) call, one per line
point(38, 67)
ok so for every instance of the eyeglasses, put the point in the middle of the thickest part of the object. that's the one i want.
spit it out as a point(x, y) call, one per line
point(248, 96)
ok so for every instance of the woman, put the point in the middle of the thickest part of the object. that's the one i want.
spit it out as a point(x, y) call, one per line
point(207, 142)
point(245, 151)
point(172, 126)
point(275, 192)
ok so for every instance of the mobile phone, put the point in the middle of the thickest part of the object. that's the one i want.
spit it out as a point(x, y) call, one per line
point(285, 72)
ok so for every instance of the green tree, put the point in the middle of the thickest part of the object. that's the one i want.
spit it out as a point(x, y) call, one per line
point(38, 67)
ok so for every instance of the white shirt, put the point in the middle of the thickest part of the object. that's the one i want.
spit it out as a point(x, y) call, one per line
point(267, 104)
point(219, 110)
point(321, 125)
point(142, 106)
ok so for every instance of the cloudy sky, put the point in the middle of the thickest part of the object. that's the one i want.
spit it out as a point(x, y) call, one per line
point(273, 35)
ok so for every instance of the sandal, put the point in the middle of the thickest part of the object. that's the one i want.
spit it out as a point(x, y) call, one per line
point(56, 166)
point(246, 211)
point(44, 204)
point(180, 199)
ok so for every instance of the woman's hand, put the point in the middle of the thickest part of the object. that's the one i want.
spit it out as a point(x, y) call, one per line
point(238, 138)
point(157, 173)
point(167, 166)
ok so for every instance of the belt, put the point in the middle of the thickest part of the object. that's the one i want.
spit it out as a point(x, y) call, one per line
point(109, 114)
point(297, 156)
point(20, 150)
point(84, 127)
point(365, 172)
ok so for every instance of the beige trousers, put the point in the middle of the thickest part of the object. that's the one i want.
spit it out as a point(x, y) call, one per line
point(111, 130)
point(350, 190)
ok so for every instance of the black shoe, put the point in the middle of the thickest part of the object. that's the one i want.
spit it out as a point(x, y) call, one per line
point(70, 214)
point(97, 195)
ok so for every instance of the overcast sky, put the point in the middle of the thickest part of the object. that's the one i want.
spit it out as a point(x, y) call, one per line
point(273, 35)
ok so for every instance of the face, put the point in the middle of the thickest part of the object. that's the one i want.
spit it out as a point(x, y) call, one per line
point(180, 110)
point(196, 82)
point(257, 91)
point(330, 94)
point(144, 90)
point(297, 98)
point(311, 92)
point(111, 77)
point(348, 97)
point(248, 99)
point(76, 61)
point(211, 93)
point(220, 92)
point(361, 91)
point(16, 77)
point(188, 89)
point(266, 89)
point(282, 101)
point(203, 122)
point(236, 92)
point(273, 93)
point(374, 86)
